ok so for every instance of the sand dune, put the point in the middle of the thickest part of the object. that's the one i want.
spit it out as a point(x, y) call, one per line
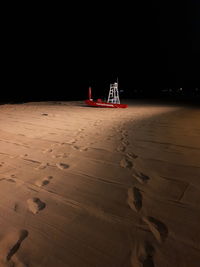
point(84, 186)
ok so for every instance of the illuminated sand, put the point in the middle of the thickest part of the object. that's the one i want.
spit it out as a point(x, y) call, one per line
point(84, 186)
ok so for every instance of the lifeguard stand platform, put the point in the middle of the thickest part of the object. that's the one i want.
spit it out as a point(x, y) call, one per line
point(113, 96)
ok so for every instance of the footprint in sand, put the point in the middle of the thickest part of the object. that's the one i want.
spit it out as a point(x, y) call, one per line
point(42, 166)
point(124, 133)
point(9, 245)
point(35, 205)
point(134, 199)
point(84, 148)
point(141, 177)
point(16, 207)
point(73, 141)
point(80, 148)
point(126, 163)
point(62, 166)
point(79, 132)
point(125, 142)
point(44, 181)
point(76, 147)
point(81, 136)
point(62, 144)
point(142, 255)
point(60, 155)
point(158, 228)
point(49, 150)
point(24, 155)
point(121, 148)
point(131, 155)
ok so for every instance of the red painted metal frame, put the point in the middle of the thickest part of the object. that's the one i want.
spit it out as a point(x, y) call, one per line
point(101, 104)
point(104, 104)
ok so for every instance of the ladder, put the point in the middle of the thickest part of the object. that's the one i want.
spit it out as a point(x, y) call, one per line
point(113, 96)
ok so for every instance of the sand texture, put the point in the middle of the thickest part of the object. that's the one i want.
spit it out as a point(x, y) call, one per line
point(97, 187)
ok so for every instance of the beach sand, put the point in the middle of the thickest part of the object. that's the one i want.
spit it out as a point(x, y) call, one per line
point(96, 187)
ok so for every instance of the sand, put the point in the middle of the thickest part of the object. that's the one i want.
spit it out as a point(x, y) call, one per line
point(83, 186)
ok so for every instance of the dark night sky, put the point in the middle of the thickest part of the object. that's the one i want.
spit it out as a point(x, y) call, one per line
point(57, 52)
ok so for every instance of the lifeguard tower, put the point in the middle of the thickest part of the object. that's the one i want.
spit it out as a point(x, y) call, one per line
point(113, 96)
point(112, 102)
